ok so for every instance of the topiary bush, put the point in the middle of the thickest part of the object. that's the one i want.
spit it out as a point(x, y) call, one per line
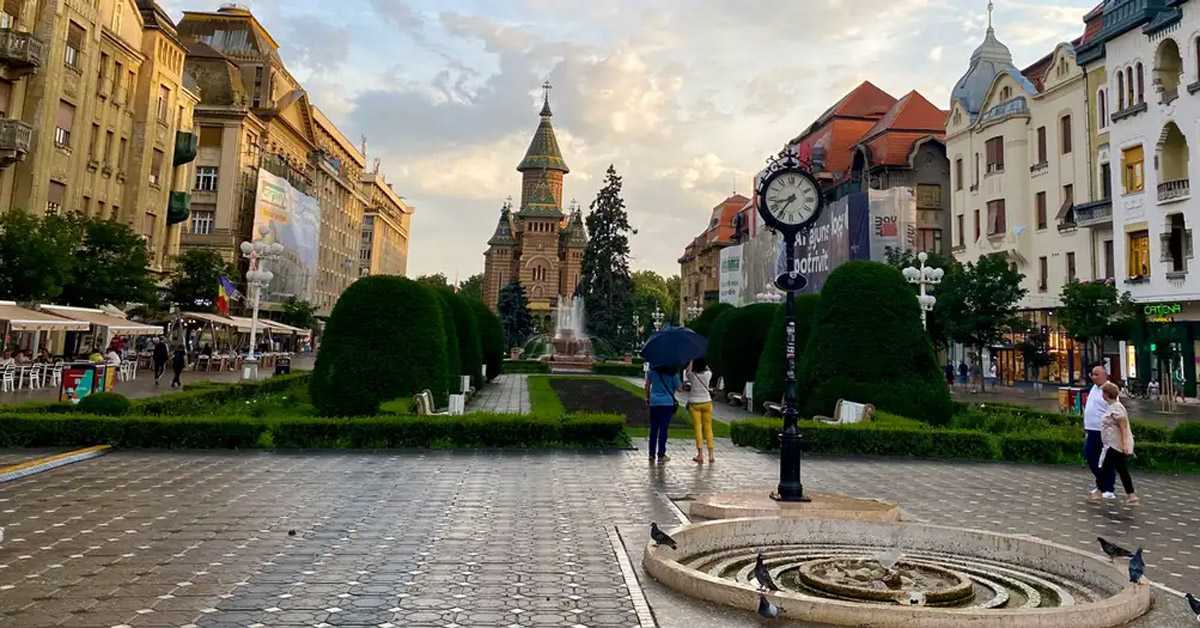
point(453, 356)
point(105, 404)
point(470, 348)
point(702, 324)
point(740, 335)
point(491, 337)
point(770, 376)
point(867, 345)
point(1188, 433)
point(716, 342)
point(385, 339)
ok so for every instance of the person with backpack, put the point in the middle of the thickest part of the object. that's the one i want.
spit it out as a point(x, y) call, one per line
point(661, 384)
point(699, 404)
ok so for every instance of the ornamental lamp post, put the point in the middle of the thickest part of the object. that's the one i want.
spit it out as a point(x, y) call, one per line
point(658, 318)
point(257, 279)
point(768, 295)
point(694, 309)
point(637, 328)
point(925, 277)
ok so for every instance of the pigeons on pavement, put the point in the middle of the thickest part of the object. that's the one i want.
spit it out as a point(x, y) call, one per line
point(766, 608)
point(1195, 604)
point(661, 538)
point(1113, 550)
point(1137, 567)
point(763, 575)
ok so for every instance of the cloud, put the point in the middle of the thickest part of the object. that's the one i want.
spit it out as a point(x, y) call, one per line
point(319, 46)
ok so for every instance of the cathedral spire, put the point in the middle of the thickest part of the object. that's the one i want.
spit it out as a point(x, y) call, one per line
point(504, 231)
point(546, 87)
point(543, 153)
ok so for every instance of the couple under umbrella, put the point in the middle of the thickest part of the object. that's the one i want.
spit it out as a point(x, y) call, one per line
point(666, 354)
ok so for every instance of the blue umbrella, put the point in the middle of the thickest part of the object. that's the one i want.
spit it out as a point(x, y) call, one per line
point(676, 347)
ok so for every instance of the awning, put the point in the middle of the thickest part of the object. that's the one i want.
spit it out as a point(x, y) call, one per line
point(208, 318)
point(114, 324)
point(23, 319)
point(243, 325)
point(284, 328)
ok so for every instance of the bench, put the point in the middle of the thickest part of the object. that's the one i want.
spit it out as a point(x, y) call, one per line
point(846, 412)
point(744, 398)
point(423, 402)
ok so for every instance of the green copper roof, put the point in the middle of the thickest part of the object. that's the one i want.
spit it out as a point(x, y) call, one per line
point(540, 203)
point(575, 235)
point(504, 232)
point(543, 153)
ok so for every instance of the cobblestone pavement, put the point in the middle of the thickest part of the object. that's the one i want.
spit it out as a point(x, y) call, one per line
point(442, 538)
point(507, 394)
point(16, 456)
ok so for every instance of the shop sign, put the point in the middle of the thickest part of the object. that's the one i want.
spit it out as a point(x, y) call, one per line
point(1162, 310)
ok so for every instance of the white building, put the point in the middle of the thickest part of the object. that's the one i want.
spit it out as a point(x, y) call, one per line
point(1018, 146)
point(1151, 53)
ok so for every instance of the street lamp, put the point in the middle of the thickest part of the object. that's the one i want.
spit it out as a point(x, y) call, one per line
point(769, 295)
point(658, 318)
point(257, 279)
point(694, 309)
point(637, 328)
point(925, 277)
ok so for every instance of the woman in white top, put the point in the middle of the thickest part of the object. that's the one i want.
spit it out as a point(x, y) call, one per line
point(699, 401)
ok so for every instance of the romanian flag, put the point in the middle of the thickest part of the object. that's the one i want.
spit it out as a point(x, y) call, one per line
point(225, 293)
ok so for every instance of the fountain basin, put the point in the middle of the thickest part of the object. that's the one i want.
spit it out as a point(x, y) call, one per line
point(1016, 581)
point(859, 579)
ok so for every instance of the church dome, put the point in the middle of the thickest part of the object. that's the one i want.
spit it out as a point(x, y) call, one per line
point(989, 60)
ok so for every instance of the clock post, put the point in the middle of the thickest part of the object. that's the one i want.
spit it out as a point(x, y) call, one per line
point(789, 200)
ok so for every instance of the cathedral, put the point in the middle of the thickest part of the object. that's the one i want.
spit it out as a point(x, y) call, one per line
point(537, 244)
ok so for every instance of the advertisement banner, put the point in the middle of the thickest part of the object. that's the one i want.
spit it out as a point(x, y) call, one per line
point(292, 219)
point(893, 221)
point(731, 275)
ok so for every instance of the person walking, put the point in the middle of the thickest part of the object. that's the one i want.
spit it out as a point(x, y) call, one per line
point(177, 363)
point(1117, 441)
point(161, 355)
point(661, 385)
point(1093, 441)
point(964, 373)
point(699, 403)
point(948, 373)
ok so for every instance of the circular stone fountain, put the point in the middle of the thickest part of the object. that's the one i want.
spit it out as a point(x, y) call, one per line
point(830, 572)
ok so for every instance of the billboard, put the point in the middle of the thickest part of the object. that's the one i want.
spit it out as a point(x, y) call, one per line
point(730, 275)
point(292, 219)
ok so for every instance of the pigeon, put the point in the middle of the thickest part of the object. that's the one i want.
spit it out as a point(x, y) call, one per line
point(763, 575)
point(916, 598)
point(1137, 566)
point(1113, 550)
point(766, 608)
point(1194, 602)
point(291, 533)
point(661, 538)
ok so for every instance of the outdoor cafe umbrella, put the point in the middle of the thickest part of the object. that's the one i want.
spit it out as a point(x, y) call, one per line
point(674, 347)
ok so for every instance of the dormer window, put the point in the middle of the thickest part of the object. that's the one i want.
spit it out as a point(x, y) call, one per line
point(1005, 94)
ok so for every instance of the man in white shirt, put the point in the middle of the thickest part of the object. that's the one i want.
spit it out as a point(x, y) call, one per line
point(1093, 414)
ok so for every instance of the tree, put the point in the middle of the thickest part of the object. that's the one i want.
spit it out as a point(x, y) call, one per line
point(935, 320)
point(604, 282)
point(436, 280)
point(111, 266)
point(514, 314)
point(651, 292)
point(194, 283)
point(37, 255)
point(472, 288)
point(491, 336)
point(1093, 311)
point(979, 303)
point(298, 313)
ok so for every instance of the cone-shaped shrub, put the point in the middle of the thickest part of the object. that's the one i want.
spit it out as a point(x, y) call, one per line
point(769, 379)
point(491, 338)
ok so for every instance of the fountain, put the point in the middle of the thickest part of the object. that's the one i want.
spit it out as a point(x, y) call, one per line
point(572, 348)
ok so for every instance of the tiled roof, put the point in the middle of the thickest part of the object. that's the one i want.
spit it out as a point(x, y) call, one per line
point(543, 153)
point(504, 231)
point(575, 235)
point(843, 125)
point(912, 113)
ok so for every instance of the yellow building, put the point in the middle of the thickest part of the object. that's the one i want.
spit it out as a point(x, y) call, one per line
point(383, 249)
point(339, 170)
point(108, 106)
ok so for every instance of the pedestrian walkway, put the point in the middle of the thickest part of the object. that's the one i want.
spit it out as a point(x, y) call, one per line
point(144, 386)
point(1148, 410)
point(507, 394)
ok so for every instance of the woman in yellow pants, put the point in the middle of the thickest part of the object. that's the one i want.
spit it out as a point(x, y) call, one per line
point(700, 406)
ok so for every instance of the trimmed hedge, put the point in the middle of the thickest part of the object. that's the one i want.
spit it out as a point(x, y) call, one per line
point(867, 345)
point(703, 323)
point(453, 364)
point(491, 335)
point(717, 334)
point(736, 343)
point(1188, 433)
point(473, 430)
point(1000, 418)
point(385, 339)
point(524, 366)
point(470, 347)
point(771, 374)
point(927, 442)
point(619, 369)
point(105, 404)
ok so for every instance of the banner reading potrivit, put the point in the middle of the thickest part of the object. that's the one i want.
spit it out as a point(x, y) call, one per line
point(293, 220)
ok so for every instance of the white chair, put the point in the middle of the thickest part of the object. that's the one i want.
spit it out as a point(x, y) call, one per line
point(56, 374)
point(37, 376)
point(8, 378)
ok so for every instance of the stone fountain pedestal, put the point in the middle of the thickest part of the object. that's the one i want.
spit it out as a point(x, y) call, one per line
point(571, 354)
point(755, 502)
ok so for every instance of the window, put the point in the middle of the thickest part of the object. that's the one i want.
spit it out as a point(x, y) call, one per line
point(74, 45)
point(164, 97)
point(1129, 86)
point(997, 223)
point(109, 158)
point(87, 206)
point(976, 170)
point(121, 156)
point(206, 178)
point(929, 240)
point(118, 79)
point(1070, 265)
point(1109, 266)
point(210, 136)
point(63, 123)
point(1102, 107)
point(1039, 202)
point(1177, 243)
point(116, 19)
point(1043, 274)
point(1141, 94)
point(961, 232)
point(1041, 145)
point(1065, 140)
point(56, 196)
point(100, 210)
point(977, 225)
point(1120, 90)
point(102, 83)
point(94, 143)
point(148, 225)
point(156, 167)
point(958, 174)
point(5, 97)
point(9, 13)
point(1105, 181)
point(202, 221)
point(1066, 211)
point(1005, 93)
point(929, 196)
point(1132, 176)
point(1139, 254)
point(995, 155)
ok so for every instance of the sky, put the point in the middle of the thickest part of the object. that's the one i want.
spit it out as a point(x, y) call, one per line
point(685, 98)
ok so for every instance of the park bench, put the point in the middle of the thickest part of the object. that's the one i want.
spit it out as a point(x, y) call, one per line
point(846, 412)
point(744, 398)
point(423, 401)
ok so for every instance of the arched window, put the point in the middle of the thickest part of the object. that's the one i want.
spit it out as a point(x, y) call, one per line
point(1120, 91)
point(1102, 108)
point(1198, 58)
point(1141, 92)
point(1129, 86)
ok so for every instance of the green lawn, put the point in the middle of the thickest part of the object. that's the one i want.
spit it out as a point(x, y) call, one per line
point(544, 401)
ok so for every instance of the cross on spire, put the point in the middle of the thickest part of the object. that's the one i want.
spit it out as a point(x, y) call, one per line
point(991, 7)
point(546, 87)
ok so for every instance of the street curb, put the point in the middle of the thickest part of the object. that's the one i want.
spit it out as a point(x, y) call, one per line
point(46, 463)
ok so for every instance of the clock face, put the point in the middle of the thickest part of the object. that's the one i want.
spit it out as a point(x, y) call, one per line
point(792, 198)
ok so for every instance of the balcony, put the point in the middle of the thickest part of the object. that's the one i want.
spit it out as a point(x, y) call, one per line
point(20, 54)
point(15, 139)
point(1094, 214)
point(1176, 190)
point(186, 143)
point(1039, 169)
point(178, 208)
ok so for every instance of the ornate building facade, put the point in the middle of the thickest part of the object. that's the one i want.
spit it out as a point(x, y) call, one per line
point(537, 245)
